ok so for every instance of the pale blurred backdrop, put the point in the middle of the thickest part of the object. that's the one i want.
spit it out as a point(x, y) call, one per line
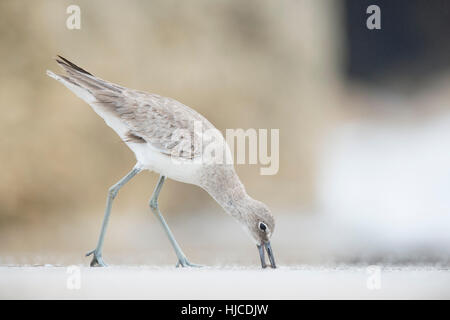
point(364, 123)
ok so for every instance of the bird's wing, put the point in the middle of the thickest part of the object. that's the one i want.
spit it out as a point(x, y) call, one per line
point(164, 123)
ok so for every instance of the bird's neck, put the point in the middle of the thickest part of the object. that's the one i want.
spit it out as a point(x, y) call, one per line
point(234, 202)
point(224, 185)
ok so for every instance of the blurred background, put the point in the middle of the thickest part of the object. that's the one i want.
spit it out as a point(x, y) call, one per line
point(363, 114)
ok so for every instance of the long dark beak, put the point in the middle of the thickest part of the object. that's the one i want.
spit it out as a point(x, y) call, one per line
point(269, 253)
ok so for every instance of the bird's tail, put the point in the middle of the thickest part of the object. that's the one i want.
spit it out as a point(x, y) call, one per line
point(53, 75)
point(82, 83)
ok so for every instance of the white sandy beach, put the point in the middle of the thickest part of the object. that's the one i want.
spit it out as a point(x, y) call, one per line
point(303, 282)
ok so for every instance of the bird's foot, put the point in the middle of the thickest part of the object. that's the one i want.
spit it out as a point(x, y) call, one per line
point(184, 262)
point(97, 260)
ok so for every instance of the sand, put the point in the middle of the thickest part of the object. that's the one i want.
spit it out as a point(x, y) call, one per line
point(301, 282)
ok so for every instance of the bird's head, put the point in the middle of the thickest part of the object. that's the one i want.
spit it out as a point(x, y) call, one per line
point(260, 224)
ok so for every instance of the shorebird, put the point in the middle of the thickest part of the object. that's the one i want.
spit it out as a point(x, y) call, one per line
point(155, 128)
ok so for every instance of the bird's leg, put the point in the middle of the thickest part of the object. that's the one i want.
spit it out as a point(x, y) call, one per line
point(182, 260)
point(97, 259)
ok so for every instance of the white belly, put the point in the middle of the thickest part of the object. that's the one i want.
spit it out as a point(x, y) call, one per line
point(186, 171)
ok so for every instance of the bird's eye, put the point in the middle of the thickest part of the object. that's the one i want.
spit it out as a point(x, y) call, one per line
point(262, 226)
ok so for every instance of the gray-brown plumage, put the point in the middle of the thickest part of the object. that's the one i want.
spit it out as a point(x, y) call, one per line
point(150, 117)
point(168, 137)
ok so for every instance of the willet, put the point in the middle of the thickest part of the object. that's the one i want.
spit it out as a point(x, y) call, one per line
point(150, 125)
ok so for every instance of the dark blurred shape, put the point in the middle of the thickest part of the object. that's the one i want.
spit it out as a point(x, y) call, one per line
point(412, 43)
